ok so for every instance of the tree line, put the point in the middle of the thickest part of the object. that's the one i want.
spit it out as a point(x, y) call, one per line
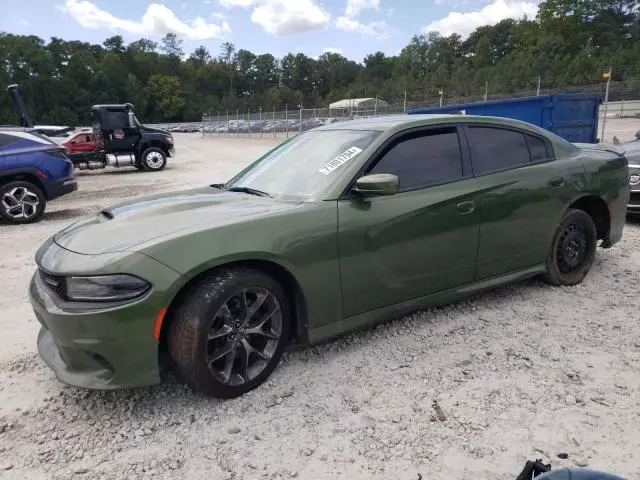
point(570, 42)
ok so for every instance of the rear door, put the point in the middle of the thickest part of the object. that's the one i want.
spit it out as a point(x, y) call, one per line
point(420, 241)
point(523, 196)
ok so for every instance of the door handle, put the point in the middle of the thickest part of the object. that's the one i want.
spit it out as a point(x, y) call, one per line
point(556, 182)
point(466, 207)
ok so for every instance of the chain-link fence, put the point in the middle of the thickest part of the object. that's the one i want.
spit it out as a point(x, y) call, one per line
point(624, 101)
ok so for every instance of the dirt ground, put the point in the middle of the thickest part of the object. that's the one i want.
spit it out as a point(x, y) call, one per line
point(525, 371)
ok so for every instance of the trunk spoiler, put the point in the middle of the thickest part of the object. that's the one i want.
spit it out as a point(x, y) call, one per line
point(607, 147)
point(25, 119)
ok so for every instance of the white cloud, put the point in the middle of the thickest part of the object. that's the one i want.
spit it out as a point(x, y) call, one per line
point(25, 22)
point(377, 30)
point(354, 7)
point(283, 17)
point(465, 23)
point(157, 20)
point(332, 50)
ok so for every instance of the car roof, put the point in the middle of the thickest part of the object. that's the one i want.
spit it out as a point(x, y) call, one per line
point(403, 121)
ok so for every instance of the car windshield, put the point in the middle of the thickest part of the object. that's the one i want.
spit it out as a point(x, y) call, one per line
point(304, 167)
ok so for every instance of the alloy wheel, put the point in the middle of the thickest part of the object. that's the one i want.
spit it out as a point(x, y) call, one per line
point(154, 160)
point(244, 335)
point(20, 202)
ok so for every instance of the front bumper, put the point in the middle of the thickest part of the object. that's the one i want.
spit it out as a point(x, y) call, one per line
point(61, 187)
point(103, 349)
point(634, 202)
point(172, 152)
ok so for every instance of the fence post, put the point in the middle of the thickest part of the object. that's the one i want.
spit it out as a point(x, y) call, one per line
point(261, 127)
point(405, 101)
point(249, 121)
point(375, 107)
point(218, 122)
point(286, 118)
point(300, 130)
point(237, 122)
point(274, 121)
point(228, 124)
point(486, 90)
point(538, 90)
point(441, 94)
point(606, 103)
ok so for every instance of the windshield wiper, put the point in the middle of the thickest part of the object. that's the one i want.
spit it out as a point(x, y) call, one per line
point(250, 191)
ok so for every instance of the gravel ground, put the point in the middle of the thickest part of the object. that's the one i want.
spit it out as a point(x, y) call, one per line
point(470, 390)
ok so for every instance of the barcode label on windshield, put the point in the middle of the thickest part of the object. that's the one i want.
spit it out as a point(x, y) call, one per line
point(339, 160)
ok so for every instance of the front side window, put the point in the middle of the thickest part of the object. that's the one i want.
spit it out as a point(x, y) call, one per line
point(118, 119)
point(494, 149)
point(424, 159)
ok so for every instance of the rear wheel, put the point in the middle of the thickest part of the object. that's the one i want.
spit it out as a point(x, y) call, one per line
point(154, 159)
point(573, 249)
point(21, 202)
point(228, 333)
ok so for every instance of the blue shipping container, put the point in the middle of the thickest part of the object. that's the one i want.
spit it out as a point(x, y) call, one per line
point(573, 117)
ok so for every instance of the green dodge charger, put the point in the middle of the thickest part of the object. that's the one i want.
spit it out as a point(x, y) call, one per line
point(339, 228)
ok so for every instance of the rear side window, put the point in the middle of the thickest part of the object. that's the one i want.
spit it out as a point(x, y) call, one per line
point(538, 149)
point(425, 159)
point(495, 149)
point(7, 140)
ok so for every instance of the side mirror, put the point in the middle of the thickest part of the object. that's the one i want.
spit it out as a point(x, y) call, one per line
point(132, 120)
point(377, 185)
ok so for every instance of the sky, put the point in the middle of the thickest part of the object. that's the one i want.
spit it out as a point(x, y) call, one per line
point(353, 28)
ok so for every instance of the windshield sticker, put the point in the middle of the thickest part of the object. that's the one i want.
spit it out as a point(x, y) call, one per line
point(344, 157)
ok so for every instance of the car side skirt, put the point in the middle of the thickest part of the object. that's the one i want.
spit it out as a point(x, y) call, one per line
point(381, 315)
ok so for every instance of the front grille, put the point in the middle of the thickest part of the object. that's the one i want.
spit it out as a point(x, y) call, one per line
point(55, 283)
point(635, 199)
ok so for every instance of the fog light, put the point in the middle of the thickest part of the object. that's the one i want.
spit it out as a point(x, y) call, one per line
point(634, 178)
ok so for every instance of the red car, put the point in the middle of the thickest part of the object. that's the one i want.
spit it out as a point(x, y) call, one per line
point(81, 142)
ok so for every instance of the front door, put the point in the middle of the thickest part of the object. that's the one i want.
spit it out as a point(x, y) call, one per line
point(118, 135)
point(420, 241)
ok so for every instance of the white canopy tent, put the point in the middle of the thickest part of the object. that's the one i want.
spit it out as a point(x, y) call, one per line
point(358, 103)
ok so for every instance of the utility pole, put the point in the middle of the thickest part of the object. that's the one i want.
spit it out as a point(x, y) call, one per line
point(606, 75)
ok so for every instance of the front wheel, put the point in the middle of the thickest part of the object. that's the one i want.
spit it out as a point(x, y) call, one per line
point(154, 159)
point(229, 332)
point(573, 249)
point(21, 202)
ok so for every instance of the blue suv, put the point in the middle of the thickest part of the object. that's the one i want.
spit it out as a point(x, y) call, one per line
point(33, 171)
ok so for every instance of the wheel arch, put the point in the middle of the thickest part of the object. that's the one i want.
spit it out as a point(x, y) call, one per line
point(594, 206)
point(277, 271)
point(152, 143)
point(24, 176)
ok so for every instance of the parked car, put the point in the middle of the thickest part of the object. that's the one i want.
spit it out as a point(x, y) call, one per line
point(33, 171)
point(631, 150)
point(383, 217)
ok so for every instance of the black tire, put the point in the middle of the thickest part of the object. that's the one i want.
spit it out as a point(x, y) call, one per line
point(207, 309)
point(573, 249)
point(153, 159)
point(21, 202)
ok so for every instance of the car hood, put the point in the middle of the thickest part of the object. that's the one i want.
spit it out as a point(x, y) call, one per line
point(146, 129)
point(126, 227)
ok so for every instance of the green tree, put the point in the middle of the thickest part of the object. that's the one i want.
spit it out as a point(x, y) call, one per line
point(166, 95)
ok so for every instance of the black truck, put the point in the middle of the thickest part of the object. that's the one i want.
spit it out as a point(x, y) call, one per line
point(116, 138)
point(122, 141)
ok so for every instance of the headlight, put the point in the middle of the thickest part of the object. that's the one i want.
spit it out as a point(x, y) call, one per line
point(105, 288)
point(634, 178)
point(170, 140)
